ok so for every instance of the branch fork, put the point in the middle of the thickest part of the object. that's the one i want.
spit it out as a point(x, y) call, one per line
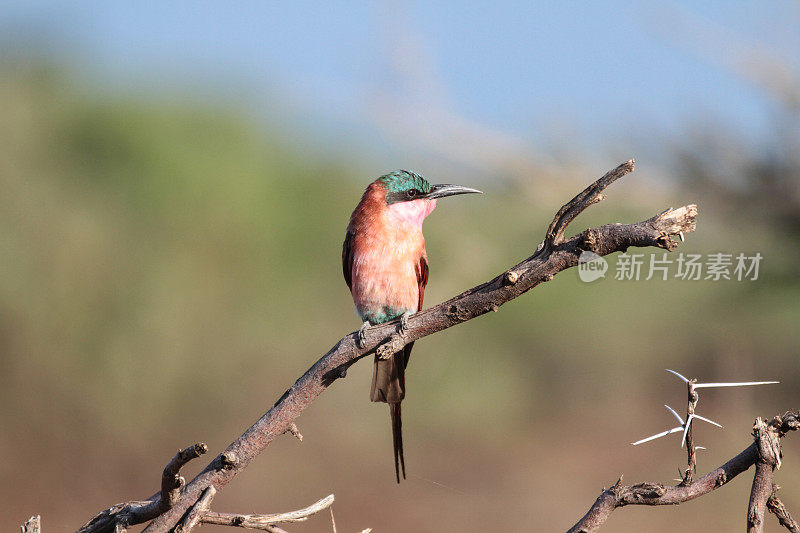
point(766, 442)
point(555, 254)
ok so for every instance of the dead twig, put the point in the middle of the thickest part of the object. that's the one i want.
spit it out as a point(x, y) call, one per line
point(264, 521)
point(776, 507)
point(555, 255)
point(590, 195)
point(292, 429)
point(171, 481)
point(658, 494)
point(118, 517)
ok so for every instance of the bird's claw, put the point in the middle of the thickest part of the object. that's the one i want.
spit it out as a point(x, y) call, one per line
point(361, 336)
point(404, 322)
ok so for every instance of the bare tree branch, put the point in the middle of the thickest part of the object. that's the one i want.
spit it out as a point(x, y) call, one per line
point(554, 255)
point(658, 494)
point(590, 195)
point(171, 481)
point(118, 517)
point(197, 512)
point(759, 494)
point(263, 521)
point(776, 507)
point(691, 459)
point(769, 458)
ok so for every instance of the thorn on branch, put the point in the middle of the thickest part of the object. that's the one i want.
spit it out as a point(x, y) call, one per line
point(686, 426)
point(674, 222)
point(657, 494)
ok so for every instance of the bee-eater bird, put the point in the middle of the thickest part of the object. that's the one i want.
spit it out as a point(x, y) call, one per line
point(386, 268)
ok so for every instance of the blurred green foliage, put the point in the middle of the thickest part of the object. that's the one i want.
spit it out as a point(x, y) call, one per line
point(169, 268)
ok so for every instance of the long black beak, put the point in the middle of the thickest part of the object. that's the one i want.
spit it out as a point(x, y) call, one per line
point(447, 189)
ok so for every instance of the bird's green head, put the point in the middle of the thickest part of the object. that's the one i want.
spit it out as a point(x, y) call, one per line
point(403, 186)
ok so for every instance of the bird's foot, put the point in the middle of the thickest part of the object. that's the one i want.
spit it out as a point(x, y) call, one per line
point(404, 322)
point(361, 336)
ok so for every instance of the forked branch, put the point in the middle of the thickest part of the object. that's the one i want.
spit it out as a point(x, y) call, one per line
point(554, 255)
point(590, 195)
point(120, 516)
point(764, 450)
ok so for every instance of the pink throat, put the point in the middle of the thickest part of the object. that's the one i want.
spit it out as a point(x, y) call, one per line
point(413, 212)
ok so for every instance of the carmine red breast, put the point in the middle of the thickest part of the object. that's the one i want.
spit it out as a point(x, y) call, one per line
point(388, 246)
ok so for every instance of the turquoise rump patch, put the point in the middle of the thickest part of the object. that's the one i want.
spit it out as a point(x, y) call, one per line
point(380, 315)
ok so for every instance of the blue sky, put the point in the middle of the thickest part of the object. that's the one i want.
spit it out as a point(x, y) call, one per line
point(522, 68)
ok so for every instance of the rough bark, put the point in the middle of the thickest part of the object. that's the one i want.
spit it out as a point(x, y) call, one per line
point(554, 254)
point(658, 494)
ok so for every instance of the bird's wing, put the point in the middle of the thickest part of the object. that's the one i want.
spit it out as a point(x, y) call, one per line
point(422, 278)
point(347, 258)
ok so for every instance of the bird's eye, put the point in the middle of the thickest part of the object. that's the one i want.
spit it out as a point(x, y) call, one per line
point(411, 193)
